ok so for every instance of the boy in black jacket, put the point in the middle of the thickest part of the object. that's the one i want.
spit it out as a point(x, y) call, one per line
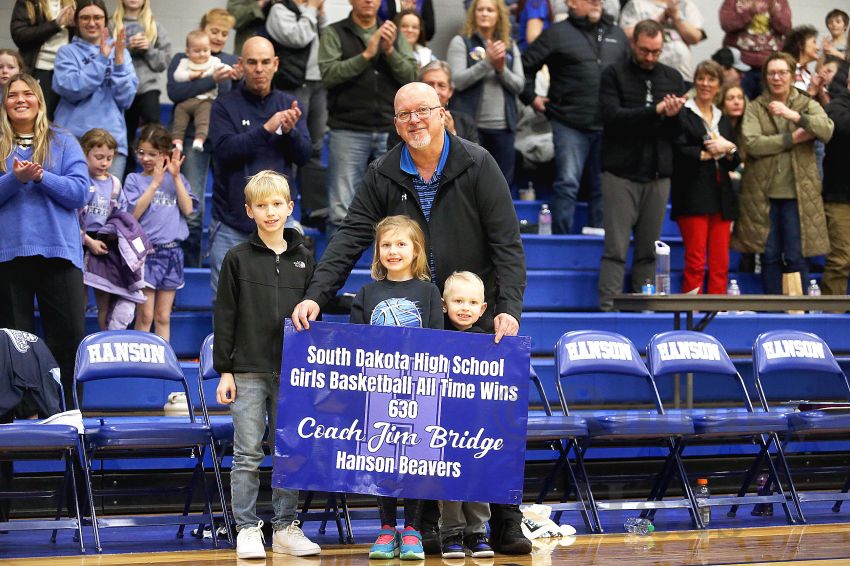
point(463, 530)
point(261, 281)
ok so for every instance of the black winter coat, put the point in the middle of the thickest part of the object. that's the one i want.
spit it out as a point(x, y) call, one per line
point(473, 226)
point(576, 52)
point(636, 142)
point(702, 187)
point(257, 289)
point(836, 163)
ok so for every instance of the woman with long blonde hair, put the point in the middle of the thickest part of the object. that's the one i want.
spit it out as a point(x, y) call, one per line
point(487, 66)
point(150, 49)
point(39, 28)
point(43, 181)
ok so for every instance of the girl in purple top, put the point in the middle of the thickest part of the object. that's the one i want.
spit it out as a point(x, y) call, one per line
point(104, 197)
point(160, 198)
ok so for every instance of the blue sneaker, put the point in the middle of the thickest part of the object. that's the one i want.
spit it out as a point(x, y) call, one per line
point(453, 547)
point(387, 545)
point(479, 546)
point(411, 545)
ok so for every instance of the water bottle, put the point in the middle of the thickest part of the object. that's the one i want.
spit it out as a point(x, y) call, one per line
point(702, 492)
point(638, 526)
point(662, 268)
point(544, 221)
point(814, 291)
point(648, 288)
point(733, 289)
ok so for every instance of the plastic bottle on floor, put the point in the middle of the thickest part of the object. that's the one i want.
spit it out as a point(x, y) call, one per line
point(733, 288)
point(814, 291)
point(702, 492)
point(639, 526)
point(544, 221)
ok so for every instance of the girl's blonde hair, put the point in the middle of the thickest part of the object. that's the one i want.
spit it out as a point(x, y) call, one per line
point(44, 8)
point(503, 25)
point(403, 224)
point(43, 135)
point(145, 19)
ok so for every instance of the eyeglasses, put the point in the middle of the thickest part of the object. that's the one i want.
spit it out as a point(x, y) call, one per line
point(647, 52)
point(152, 154)
point(422, 113)
point(778, 74)
point(94, 18)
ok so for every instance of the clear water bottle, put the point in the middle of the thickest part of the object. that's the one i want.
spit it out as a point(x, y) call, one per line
point(814, 291)
point(662, 268)
point(733, 288)
point(638, 526)
point(702, 492)
point(544, 221)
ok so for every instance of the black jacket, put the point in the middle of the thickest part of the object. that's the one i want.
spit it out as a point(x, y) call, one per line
point(473, 226)
point(26, 365)
point(636, 142)
point(257, 289)
point(702, 187)
point(576, 52)
point(836, 163)
point(29, 37)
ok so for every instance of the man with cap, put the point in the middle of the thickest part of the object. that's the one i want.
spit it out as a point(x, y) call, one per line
point(733, 67)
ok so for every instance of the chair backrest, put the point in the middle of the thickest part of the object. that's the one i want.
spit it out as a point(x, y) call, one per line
point(686, 351)
point(206, 369)
point(805, 354)
point(588, 352)
point(126, 353)
point(581, 352)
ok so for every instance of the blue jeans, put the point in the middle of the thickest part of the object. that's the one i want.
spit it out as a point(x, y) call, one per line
point(256, 401)
point(783, 244)
point(575, 152)
point(349, 153)
point(195, 168)
point(222, 238)
point(500, 144)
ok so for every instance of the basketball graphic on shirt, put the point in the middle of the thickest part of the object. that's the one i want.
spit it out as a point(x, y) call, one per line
point(396, 312)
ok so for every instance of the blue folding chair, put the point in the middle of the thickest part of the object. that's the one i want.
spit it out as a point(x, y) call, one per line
point(689, 352)
point(30, 440)
point(589, 352)
point(141, 355)
point(809, 358)
point(562, 433)
point(222, 427)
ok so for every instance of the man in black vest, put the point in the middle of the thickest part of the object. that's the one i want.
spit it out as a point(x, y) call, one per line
point(575, 50)
point(363, 63)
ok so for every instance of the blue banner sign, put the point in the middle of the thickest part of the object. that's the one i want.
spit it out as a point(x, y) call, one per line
point(402, 412)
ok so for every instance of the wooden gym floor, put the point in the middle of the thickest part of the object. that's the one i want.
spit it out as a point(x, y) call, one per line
point(808, 544)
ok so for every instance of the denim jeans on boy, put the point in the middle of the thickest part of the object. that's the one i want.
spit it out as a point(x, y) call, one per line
point(575, 152)
point(783, 246)
point(349, 154)
point(256, 400)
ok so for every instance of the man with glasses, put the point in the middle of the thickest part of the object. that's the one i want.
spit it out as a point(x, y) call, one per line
point(252, 128)
point(456, 192)
point(363, 62)
point(640, 100)
point(575, 50)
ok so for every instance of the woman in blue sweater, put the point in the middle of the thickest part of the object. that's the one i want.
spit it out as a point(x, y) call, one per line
point(94, 75)
point(43, 181)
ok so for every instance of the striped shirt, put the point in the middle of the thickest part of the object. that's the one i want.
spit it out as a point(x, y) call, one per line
point(426, 190)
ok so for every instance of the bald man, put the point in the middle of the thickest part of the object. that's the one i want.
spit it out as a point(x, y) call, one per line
point(252, 128)
point(456, 192)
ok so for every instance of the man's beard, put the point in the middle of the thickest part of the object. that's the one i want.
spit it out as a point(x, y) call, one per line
point(420, 139)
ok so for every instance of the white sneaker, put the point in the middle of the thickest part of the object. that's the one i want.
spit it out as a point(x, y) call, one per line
point(249, 542)
point(292, 541)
